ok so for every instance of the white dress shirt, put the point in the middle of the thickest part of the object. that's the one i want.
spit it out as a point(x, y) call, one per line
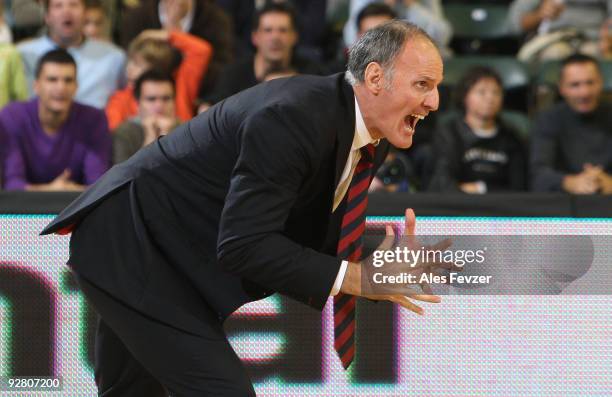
point(186, 22)
point(361, 138)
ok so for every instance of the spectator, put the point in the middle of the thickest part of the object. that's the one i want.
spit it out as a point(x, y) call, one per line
point(154, 91)
point(427, 14)
point(476, 152)
point(373, 15)
point(26, 17)
point(369, 17)
point(274, 37)
point(100, 64)
point(156, 49)
point(97, 24)
point(554, 29)
point(312, 25)
point(13, 86)
point(12, 77)
point(54, 142)
point(572, 142)
point(201, 18)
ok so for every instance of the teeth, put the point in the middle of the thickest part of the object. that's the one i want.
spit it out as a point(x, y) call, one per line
point(418, 116)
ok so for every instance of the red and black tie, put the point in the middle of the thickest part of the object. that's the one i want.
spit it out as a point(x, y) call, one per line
point(350, 248)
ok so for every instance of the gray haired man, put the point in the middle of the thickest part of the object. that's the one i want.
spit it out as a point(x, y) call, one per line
point(265, 192)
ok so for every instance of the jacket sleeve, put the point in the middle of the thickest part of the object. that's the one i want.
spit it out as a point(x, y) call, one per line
point(275, 158)
point(517, 166)
point(121, 106)
point(544, 148)
point(19, 84)
point(14, 172)
point(447, 161)
point(197, 54)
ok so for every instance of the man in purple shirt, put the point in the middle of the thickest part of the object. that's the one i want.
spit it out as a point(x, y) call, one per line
point(54, 143)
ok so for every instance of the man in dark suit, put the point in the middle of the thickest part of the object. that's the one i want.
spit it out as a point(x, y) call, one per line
point(243, 201)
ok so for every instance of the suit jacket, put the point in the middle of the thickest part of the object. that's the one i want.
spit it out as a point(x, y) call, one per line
point(230, 207)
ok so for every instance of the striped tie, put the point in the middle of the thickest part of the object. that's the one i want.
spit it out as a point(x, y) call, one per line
point(350, 248)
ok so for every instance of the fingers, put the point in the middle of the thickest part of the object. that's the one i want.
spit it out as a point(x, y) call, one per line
point(410, 224)
point(65, 175)
point(389, 230)
point(389, 240)
point(591, 170)
point(409, 227)
point(426, 298)
point(406, 303)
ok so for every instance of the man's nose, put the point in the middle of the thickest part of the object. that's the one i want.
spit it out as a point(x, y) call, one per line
point(584, 90)
point(159, 106)
point(432, 100)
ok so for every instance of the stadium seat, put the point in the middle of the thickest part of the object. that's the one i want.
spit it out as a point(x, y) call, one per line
point(480, 28)
point(513, 72)
point(514, 75)
point(519, 121)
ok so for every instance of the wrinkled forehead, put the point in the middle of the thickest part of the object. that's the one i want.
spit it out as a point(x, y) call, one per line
point(420, 57)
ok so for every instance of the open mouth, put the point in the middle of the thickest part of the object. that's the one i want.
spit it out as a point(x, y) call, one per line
point(411, 121)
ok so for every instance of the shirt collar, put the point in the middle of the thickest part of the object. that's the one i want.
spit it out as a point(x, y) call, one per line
point(49, 42)
point(362, 135)
point(186, 22)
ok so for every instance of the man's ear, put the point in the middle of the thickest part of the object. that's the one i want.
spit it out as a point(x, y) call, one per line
point(374, 77)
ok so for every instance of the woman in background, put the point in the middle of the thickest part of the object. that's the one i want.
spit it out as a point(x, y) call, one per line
point(474, 151)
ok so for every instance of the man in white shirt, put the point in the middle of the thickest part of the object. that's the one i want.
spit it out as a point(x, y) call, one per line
point(100, 64)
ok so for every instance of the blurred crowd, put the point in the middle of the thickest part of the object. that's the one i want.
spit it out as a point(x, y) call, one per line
point(525, 102)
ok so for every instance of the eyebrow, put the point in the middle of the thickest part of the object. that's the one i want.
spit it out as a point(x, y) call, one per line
point(427, 78)
point(581, 81)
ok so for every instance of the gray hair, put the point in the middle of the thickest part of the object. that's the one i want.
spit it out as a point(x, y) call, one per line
point(382, 45)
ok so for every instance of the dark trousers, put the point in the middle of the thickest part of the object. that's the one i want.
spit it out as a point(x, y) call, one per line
point(136, 355)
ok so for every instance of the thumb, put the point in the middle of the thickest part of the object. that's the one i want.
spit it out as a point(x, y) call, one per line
point(65, 174)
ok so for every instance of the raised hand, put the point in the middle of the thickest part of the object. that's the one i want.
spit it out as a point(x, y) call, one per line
point(361, 279)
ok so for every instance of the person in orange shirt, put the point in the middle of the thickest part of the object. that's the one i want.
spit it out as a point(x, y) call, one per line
point(157, 49)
